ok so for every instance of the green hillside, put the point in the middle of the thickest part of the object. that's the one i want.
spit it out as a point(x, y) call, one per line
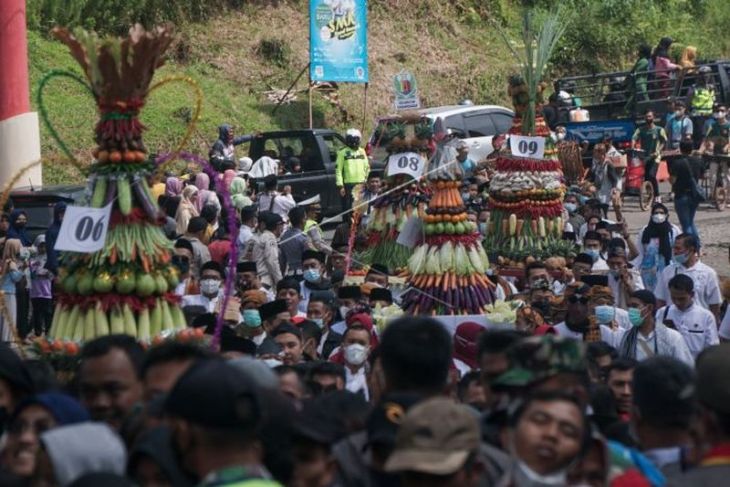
point(239, 53)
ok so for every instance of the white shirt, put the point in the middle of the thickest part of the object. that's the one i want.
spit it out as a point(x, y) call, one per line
point(620, 296)
point(339, 327)
point(244, 235)
point(706, 284)
point(281, 205)
point(725, 326)
point(607, 334)
point(600, 265)
point(696, 324)
point(677, 346)
point(199, 300)
point(357, 382)
point(462, 367)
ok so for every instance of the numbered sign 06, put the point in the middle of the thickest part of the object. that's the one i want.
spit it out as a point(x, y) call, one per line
point(408, 163)
point(84, 229)
point(530, 147)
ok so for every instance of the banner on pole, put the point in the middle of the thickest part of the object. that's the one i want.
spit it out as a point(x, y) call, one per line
point(338, 41)
point(406, 91)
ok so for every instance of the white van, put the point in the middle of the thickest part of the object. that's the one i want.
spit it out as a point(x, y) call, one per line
point(474, 124)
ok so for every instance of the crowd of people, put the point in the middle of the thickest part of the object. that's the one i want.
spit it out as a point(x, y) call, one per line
point(611, 374)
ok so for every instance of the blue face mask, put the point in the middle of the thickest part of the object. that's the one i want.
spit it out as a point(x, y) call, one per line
point(317, 321)
point(594, 253)
point(635, 317)
point(483, 228)
point(251, 318)
point(605, 314)
point(680, 259)
point(311, 275)
point(570, 207)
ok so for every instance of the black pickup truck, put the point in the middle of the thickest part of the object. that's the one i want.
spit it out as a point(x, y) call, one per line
point(316, 150)
point(605, 96)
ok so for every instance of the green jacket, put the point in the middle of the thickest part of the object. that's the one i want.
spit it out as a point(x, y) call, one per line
point(352, 166)
point(239, 477)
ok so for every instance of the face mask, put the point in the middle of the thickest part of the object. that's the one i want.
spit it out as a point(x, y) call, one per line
point(678, 114)
point(594, 253)
point(659, 218)
point(721, 115)
point(465, 196)
point(251, 318)
point(343, 311)
point(273, 363)
point(311, 275)
point(356, 354)
point(20, 224)
point(318, 321)
point(561, 136)
point(635, 317)
point(605, 314)
point(210, 286)
point(680, 259)
point(483, 228)
point(570, 207)
point(613, 273)
point(716, 115)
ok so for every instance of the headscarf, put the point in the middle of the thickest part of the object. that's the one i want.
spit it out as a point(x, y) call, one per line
point(228, 176)
point(202, 181)
point(11, 249)
point(64, 408)
point(16, 232)
point(79, 449)
point(173, 186)
point(661, 231)
point(186, 210)
point(41, 257)
point(466, 338)
point(238, 194)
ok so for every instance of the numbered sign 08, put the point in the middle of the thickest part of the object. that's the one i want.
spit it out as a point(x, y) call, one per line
point(408, 163)
point(530, 147)
point(84, 229)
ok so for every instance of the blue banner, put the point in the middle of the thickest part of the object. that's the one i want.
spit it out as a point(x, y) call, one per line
point(338, 40)
point(620, 130)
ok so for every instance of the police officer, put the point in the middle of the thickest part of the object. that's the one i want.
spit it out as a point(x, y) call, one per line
point(352, 166)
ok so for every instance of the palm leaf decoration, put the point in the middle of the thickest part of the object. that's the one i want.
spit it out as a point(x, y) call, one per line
point(539, 46)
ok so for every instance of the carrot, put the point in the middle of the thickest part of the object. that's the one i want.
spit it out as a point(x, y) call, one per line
point(445, 283)
point(134, 252)
point(429, 281)
point(113, 255)
point(145, 263)
point(533, 225)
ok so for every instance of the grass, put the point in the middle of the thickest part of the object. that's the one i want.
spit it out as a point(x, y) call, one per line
point(453, 49)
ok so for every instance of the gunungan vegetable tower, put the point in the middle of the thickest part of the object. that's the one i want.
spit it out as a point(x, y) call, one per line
point(127, 287)
point(448, 270)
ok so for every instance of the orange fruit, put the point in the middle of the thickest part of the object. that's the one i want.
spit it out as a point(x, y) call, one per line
point(71, 348)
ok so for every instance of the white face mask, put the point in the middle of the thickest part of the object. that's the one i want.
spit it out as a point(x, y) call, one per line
point(679, 114)
point(356, 354)
point(210, 286)
point(343, 311)
point(659, 218)
point(561, 135)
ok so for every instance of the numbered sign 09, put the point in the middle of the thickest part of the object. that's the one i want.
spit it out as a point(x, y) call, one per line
point(408, 163)
point(84, 229)
point(529, 147)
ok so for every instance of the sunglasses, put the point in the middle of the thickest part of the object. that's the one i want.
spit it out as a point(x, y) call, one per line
point(576, 298)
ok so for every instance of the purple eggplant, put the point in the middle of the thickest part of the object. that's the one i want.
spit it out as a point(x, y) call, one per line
point(149, 207)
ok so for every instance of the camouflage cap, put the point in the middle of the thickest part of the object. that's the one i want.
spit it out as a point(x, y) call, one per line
point(540, 357)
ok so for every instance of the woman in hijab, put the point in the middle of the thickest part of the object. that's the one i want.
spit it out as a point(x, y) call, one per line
point(238, 194)
point(186, 210)
point(205, 196)
point(33, 416)
point(654, 243)
point(228, 176)
point(173, 186)
point(11, 275)
point(18, 220)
